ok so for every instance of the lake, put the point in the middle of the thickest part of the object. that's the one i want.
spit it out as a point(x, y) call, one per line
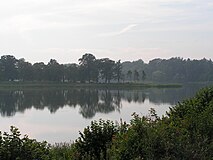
point(57, 115)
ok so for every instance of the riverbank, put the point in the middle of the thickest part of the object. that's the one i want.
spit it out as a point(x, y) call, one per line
point(47, 85)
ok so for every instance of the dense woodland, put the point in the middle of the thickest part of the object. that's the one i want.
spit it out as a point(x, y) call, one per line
point(171, 70)
point(92, 70)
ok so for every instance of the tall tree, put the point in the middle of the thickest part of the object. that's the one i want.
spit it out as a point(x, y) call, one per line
point(143, 75)
point(136, 75)
point(88, 67)
point(107, 69)
point(129, 75)
point(25, 70)
point(39, 71)
point(9, 67)
point(71, 72)
point(54, 71)
point(118, 70)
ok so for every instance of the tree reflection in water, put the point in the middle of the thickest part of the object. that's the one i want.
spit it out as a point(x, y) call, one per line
point(90, 101)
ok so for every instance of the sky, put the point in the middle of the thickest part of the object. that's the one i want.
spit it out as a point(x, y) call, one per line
point(40, 30)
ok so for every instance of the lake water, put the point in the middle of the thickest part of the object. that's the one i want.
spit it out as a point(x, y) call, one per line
point(57, 115)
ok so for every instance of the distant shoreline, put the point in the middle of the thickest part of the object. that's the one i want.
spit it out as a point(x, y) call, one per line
point(65, 85)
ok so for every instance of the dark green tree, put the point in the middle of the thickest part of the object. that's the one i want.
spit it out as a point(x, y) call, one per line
point(25, 70)
point(71, 72)
point(129, 75)
point(118, 70)
point(143, 75)
point(9, 67)
point(88, 69)
point(54, 71)
point(136, 75)
point(93, 142)
point(39, 71)
point(107, 69)
point(13, 147)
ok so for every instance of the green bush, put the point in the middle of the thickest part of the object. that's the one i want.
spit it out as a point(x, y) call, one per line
point(95, 140)
point(140, 141)
point(185, 133)
point(12, 147)
point(193, 122)
point(62, 151)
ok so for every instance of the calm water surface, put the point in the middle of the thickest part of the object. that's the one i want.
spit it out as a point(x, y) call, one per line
point(58, 115)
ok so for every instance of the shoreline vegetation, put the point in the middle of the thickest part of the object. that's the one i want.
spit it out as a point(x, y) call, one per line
point(93, 70)
point(66, 85)
point(185, 132)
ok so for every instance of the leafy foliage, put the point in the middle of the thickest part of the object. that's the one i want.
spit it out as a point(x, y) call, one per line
point(62, 151)
point(172, 70)
point(95, 140)
point(12, 147)
point(186, 133)
point(92, 70)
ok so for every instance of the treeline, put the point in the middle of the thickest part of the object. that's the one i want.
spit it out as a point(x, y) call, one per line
point(92, 70)
point(89, 69)
point(171, 70)
point(185, 133)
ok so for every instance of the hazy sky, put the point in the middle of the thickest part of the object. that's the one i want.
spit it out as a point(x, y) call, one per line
point(39, 30)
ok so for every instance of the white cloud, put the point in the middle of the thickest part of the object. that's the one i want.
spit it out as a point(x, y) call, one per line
point(32, 28)
point(122, 31)
point(25, 15)
point(70, 55)
point(210, 4)
point(81, 12)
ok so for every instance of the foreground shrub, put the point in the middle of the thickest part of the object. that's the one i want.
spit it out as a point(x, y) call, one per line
point(141, 140)
point(185, 133)
point(192, 121)
point(62, 151)
point(95, 139)
point(13, 147)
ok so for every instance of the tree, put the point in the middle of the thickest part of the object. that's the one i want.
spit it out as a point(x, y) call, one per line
point(129, 75)
point(143, 75)
point(107, 69)
point(71, 72)
point(25, 70)
point(9, 67)
point(93, 142)
point(122, 77)
point(136, 75)
point(54, 71)
point(88, 67)
point(13, 147)
point(118, 70)
point(39, 71)
point(158, 76)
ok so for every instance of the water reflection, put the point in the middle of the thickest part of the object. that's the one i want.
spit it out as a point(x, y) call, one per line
point(90, 101)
